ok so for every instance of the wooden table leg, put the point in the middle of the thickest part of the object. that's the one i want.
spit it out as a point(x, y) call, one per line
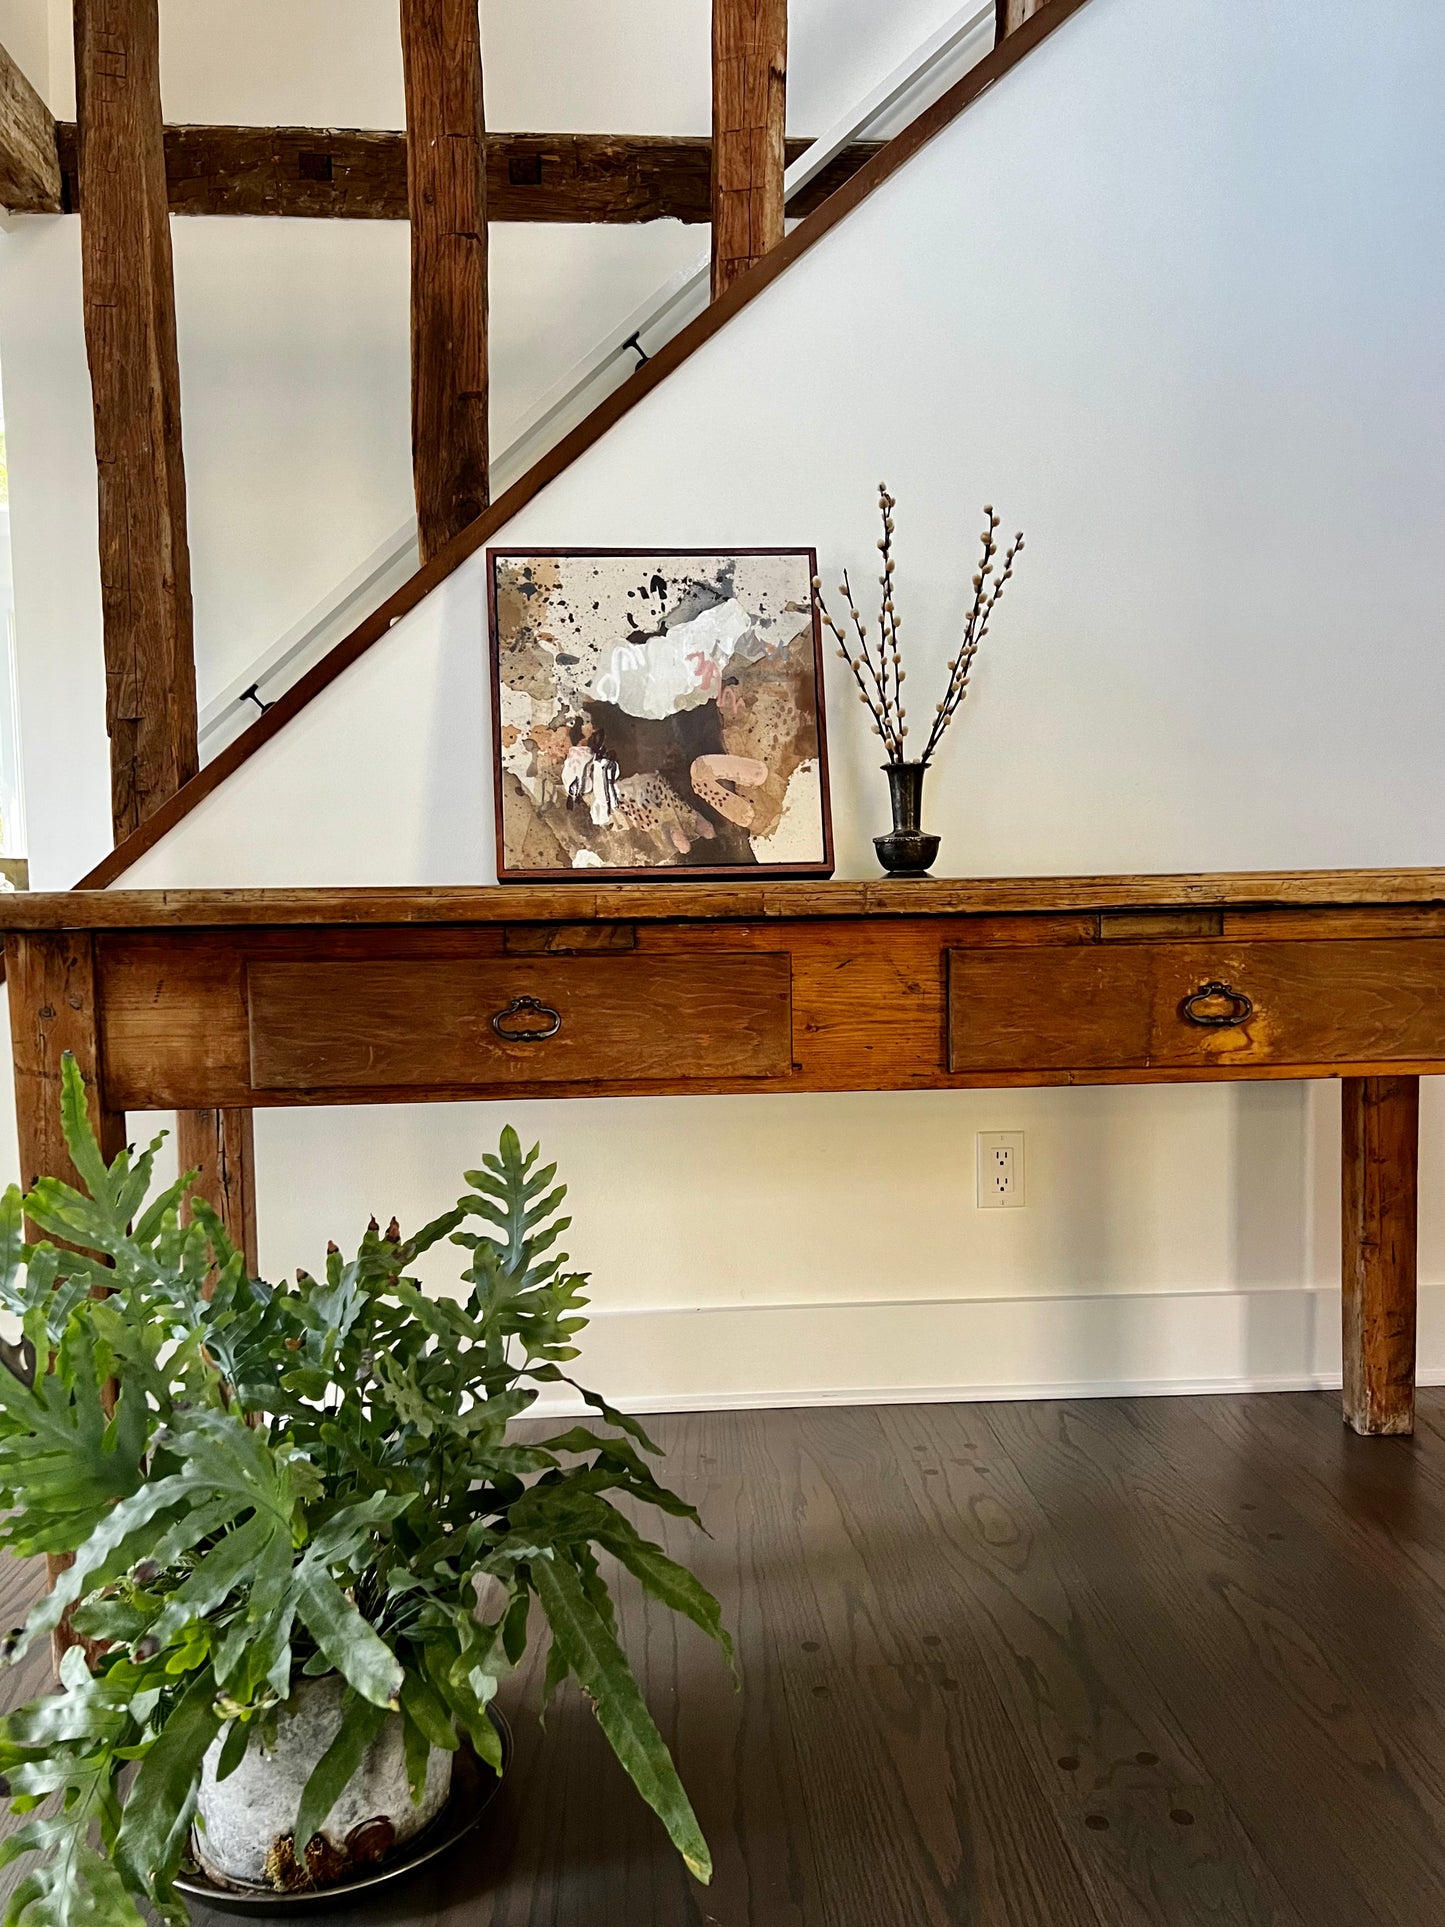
point(1380, 1144)
point(221, 1145)
point(51, 977)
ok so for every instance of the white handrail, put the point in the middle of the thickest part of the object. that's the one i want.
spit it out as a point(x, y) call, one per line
point(948, 52)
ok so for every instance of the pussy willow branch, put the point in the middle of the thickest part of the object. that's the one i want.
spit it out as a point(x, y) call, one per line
point(985, 601)
point(845, 589)
point(879, 681)
point(887, 615)
point(880, 677)
point(877, 670)
point(874, 698)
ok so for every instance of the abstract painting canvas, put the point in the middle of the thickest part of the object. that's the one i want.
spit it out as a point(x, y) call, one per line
point(657, 712)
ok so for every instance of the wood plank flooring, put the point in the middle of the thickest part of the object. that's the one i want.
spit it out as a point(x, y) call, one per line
point(1175, 1662)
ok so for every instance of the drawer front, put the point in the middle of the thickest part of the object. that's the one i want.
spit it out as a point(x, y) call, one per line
point(611, 1019)
point(1123, 1006)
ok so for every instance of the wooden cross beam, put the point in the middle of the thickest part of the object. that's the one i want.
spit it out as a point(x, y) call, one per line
point(29, 166)
point(329, 173)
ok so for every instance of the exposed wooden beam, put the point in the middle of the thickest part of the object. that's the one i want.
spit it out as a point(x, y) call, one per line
point(130, 333)
point(749, 116)
point(441, 46)
point(330, 173)
point(1013, 13)
point(29, 164)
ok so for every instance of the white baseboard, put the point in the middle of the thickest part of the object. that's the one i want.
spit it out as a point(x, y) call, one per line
point(1106, 1345)
point(957, 1394)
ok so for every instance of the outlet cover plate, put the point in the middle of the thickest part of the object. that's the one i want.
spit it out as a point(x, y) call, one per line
point(1000, 1170)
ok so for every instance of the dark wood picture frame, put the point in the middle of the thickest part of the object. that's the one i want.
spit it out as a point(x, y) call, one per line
point(671, 873)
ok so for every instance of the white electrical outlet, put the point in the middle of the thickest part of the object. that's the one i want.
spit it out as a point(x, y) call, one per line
point(1000, 1170)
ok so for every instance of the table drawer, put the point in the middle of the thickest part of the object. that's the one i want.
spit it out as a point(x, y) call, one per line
point(595, 1019)
point(1132, 1006)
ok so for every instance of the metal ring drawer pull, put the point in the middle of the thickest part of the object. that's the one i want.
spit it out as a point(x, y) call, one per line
point(537, 1034)
point(1240, 1011)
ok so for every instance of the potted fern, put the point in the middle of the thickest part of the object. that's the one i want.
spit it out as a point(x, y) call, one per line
point(306, 1541)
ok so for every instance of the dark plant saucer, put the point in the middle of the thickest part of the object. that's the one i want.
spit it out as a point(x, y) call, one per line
point(474, 1787)
point(906, 853)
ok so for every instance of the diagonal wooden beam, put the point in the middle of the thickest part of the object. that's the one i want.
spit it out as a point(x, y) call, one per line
point(749, 113)
point(330, 173)
point(1013, 13)
point(29, 164)
point(441, 47)
point(130, 334)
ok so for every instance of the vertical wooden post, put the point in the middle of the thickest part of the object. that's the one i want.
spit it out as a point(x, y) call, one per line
point(1013, 13)
point(447, 197)
point(130, 335)
point(1380, 1146)
point(749, 123)
point(51, 977)
point(221, 1145)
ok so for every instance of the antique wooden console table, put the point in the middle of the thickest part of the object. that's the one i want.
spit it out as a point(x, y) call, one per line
point(237, 999)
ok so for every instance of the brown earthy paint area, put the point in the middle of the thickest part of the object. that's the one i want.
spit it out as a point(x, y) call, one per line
point(657, 712)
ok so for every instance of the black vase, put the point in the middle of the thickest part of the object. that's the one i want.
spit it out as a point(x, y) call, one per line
point(906, 851)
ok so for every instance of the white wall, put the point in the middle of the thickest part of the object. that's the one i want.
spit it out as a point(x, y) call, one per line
point(1176, 308)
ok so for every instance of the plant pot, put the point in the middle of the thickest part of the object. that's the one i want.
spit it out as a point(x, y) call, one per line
point(245, 1823)
point(907, 851)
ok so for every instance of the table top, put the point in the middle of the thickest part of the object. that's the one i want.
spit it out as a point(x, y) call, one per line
point(667, 901)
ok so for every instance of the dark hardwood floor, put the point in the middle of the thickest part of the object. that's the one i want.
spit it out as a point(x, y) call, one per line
point(1172, 1662)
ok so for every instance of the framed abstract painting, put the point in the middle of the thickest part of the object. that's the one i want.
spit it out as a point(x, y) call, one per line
point(657, 713)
